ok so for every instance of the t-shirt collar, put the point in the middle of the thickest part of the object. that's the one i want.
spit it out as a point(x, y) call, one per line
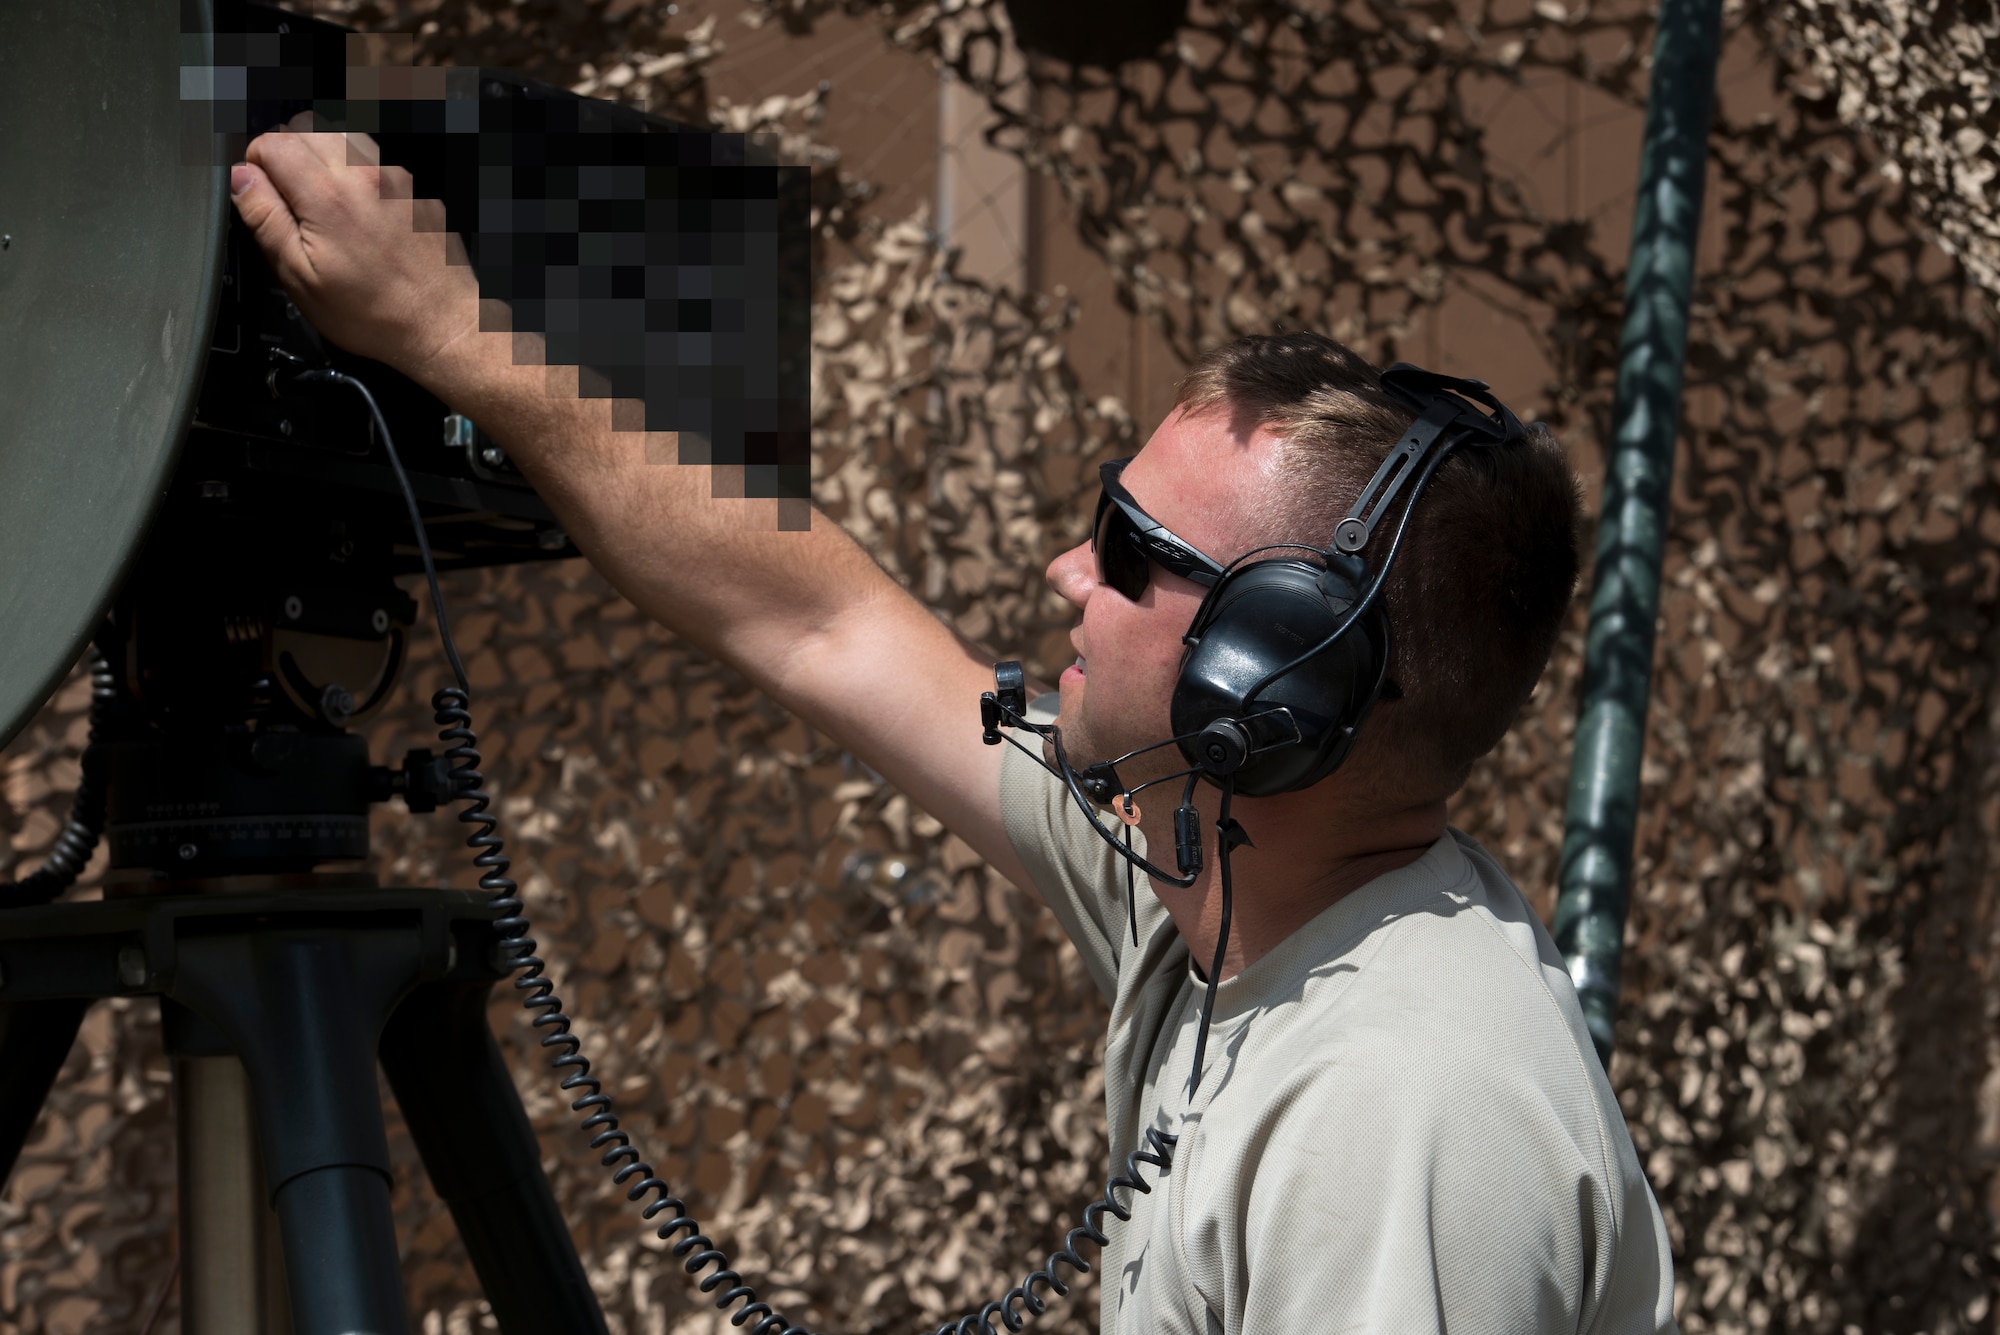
point(1442, 870)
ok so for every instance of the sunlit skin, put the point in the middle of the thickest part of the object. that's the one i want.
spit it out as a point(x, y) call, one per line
point(1209, 477)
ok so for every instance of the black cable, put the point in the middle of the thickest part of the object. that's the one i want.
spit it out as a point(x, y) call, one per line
point(1227, 833)
point(1131, 875)
point(1159, 1153)
point(416, 515)
point(1063, 770)
point(1142, 750)
point(695, 1251)
point(85, 826)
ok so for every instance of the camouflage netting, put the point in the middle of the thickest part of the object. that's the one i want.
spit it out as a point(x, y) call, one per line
point(1921, 79)
point(844, 1069)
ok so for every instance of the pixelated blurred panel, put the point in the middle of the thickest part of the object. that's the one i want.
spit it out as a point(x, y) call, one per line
point(671, 264)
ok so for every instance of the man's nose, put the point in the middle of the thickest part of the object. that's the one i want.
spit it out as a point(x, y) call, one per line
point(1074, 574)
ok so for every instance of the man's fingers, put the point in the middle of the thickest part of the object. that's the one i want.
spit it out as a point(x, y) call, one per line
point(342, 234)
point(294, 168)
point(363, 151)
point(394, 183)
point(268, 217)
point(427, 215)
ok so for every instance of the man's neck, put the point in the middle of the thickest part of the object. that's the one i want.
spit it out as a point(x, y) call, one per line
point(1310, 851)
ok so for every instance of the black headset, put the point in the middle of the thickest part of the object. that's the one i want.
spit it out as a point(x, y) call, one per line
point(1287, 655)
point(1285, 658)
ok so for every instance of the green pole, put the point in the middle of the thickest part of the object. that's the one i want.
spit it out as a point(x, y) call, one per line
point(1596, 867)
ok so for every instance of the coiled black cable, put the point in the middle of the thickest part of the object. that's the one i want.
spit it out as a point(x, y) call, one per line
point(85, 825)
point(515, 953)
point(1160, 1152)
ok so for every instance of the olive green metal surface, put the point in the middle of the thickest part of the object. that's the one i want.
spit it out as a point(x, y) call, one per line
point(1596, 868)
point(110, 257)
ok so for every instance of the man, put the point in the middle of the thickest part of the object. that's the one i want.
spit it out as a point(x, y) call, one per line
point(1399, 1124)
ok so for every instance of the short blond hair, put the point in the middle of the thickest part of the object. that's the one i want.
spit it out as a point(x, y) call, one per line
point(1485, 576)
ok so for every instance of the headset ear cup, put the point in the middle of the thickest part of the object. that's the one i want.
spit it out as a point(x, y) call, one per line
point(1255, 621)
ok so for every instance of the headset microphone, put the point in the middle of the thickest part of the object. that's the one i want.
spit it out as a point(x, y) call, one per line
point(1285, 659)
point(1288, 654)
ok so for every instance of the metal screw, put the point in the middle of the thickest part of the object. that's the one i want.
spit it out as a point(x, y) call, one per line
point(132, 966)
point(188, 851)
point(294, 608)
point(492, 456)
point(379, 620)
point(336, 704)
point(7, 242)
point(285, 427)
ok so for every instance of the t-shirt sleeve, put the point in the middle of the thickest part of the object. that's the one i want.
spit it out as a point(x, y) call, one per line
point(1079, 876)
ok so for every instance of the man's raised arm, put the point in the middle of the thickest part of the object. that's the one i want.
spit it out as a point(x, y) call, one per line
point(808, 616)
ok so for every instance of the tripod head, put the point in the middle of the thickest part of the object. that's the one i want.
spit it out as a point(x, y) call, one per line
point(189, 477)
point(227, 748)
point(259, 618)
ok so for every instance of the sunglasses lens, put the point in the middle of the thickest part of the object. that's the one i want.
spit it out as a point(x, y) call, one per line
point(1120, 563)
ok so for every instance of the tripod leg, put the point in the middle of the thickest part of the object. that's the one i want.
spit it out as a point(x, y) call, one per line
point(232, 1273)
point(35, 1039)
point(340, 1253)
point(302, 1009)
point(225, 1253)
point(466, 1119)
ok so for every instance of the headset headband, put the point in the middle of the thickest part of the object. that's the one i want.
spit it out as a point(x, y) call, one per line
point(1440, 402)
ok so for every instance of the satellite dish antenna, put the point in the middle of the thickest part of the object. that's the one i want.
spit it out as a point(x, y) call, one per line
point(112, 227)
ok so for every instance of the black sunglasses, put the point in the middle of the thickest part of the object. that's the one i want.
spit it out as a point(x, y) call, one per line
point(1128, 541)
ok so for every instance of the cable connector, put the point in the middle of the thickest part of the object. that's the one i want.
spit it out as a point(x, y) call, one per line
point(289, 371)
point(1187, 839)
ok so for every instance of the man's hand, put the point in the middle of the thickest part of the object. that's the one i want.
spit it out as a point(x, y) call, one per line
point(372, 268)
point(807, 616)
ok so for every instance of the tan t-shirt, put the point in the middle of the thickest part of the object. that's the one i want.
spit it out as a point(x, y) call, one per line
point(1400, 1126)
